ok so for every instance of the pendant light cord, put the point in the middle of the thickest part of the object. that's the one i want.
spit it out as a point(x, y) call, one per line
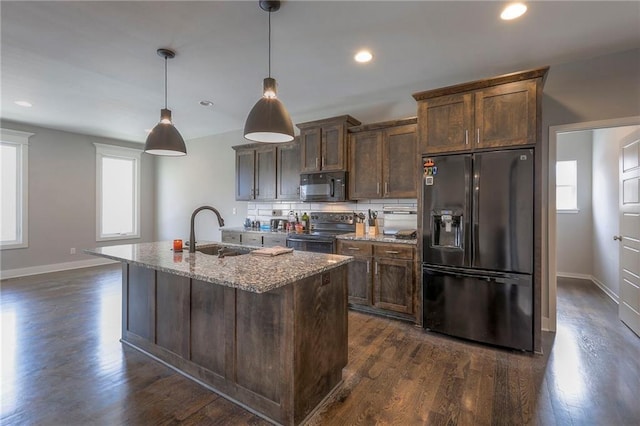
point(269, 43)
point(165, 82)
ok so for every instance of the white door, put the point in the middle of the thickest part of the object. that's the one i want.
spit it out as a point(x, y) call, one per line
point(629, 238)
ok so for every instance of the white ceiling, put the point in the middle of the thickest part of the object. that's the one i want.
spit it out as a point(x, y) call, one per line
point(91, 67)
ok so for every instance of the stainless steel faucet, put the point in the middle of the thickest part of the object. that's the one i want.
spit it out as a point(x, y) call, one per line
point(192, 233)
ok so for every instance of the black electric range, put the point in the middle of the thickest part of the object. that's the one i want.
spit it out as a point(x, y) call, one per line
point(325, 226)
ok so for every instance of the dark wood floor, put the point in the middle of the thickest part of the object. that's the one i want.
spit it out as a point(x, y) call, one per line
point(62, 363)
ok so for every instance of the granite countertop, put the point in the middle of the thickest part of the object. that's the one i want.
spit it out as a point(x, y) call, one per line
point(380, 238)
point(254, 273)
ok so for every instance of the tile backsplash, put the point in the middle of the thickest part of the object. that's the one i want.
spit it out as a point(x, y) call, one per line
point(264, 211)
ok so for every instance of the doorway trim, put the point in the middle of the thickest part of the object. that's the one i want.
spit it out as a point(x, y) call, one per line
point(550, 323)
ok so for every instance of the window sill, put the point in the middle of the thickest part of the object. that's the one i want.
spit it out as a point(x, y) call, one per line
point(118, 237)
point(11, 246)
point(568, 211)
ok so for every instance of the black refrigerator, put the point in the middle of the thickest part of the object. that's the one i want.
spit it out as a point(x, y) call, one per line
point(477, 246)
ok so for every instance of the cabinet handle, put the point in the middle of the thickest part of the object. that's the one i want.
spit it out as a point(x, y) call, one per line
point(377, 270)
point(368, 266)
point(466, 137)
point(322, 162)
point(298, 191)
point(257, 192)
point(353, 248)
point(478, 135)
point(317, 166)
point(392, 252)
point(378, 188)
point(386, 187)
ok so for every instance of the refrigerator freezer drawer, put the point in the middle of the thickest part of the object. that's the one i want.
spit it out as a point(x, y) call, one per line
point(496, 308)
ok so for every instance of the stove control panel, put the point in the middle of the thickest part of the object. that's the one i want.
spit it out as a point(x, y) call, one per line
point(332, 217)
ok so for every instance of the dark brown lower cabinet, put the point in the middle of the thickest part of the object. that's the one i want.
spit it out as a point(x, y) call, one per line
point(382, 278)
point(277, 353)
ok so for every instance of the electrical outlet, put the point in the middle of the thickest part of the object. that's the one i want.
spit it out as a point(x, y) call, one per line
point(235, 211)
point(276, 212)
point(72, 251)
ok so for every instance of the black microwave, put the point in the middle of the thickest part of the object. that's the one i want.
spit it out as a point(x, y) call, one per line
point(323, 186)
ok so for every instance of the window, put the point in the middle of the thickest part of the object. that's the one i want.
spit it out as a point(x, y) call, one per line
point(118, 192)
point(14, 155)
point(567, 185)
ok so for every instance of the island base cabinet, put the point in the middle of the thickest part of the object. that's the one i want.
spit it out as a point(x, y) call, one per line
point(278, 354)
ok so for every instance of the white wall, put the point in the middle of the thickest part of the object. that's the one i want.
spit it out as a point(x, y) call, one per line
point(62, 200)
point(575, 230)
point(606, 195)
point(205, 176)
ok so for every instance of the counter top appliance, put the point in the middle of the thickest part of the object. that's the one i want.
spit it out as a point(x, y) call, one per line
point(477, 246)
point(325, 226)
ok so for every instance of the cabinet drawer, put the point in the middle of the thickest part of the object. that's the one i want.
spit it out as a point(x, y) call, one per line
point(231, 237)
point(354, 248)
point(393, 251)
point(274, 240)
point(251, 239)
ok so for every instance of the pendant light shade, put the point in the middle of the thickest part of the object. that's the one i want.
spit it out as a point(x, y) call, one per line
point(164, 139)
point(269, 120)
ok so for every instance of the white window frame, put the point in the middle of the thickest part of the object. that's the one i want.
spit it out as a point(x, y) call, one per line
point(112, 151)
point(21, 141)
point(575, 189)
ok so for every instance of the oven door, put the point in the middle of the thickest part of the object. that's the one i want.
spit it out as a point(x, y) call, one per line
point(317, 246)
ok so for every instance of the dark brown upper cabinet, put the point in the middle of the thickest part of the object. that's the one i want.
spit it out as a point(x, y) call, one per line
point(288, 171)
point(383, 160)
point(255, 172)
point(323, 144)
point(497, 112)
point(268, 171)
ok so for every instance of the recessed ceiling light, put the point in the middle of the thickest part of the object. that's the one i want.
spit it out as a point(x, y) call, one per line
point(363, 56)
point(25, 104)
point(513, 11)
point(206, 103)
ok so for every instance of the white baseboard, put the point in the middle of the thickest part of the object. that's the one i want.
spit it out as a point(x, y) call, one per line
point(594, 280)
point(605, 289)
point(44, 269)
point(572, 275)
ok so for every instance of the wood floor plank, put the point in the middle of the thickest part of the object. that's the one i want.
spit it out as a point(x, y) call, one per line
point(62, 363)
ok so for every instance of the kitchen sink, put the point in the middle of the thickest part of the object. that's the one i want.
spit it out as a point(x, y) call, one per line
point(222, 251)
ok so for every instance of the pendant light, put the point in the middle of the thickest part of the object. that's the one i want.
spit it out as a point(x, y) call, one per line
point(269, 120)
point(165, 139)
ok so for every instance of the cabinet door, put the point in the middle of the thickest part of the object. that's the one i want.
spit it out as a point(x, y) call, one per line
point(288, 172)
point(245, 162)
point(333, 148)
point(310, 152)
point(365, 165)
point(505, 115)
point(445, 123)
point(359, 281)
point(400, 162)
point(393, 285)
point(265, 173)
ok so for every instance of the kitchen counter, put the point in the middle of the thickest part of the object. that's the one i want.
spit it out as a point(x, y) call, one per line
point(258, 274)
point(380, 238)
point(268, 333)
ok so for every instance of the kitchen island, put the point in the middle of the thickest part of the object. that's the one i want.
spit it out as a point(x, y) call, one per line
point(269, 333)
